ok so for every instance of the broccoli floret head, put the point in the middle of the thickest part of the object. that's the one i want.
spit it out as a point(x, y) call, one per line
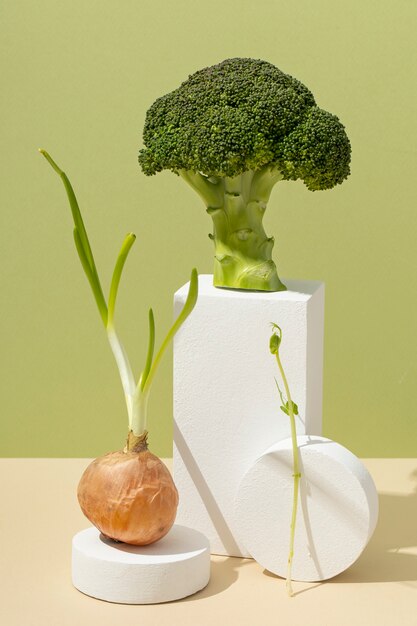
point(241, 115)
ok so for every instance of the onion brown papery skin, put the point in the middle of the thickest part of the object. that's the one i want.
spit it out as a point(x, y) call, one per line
point(129, 496)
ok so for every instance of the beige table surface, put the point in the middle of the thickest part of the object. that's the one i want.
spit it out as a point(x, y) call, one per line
point(39, 515)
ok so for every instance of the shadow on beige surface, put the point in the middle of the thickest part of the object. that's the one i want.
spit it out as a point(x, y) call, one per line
point(224, 573)
point(391, 555)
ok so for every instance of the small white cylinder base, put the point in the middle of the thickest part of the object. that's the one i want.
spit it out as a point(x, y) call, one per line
point(175, 567)
point(337, 509)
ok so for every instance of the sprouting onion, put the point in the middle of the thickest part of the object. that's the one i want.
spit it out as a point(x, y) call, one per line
point(291, 409)
point(128, 495)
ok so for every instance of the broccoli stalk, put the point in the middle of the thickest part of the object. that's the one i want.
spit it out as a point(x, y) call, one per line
point(232, 131)
point(237, 205)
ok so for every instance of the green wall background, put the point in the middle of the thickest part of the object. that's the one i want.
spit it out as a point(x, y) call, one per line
point(77, 79)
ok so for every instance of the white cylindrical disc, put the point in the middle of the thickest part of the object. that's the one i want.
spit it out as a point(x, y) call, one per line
point(337, 509)
point(176, 566)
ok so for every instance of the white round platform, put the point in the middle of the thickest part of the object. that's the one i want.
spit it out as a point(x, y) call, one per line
point(336, 516)
point(176, 566)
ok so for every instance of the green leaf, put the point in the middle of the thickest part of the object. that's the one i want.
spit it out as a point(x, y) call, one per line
point(274, 344)
point(151, 346)
point(81, 240)
point(92, 279)
point(275, 340)
point(75, 210)
point(286, 408)
point(128, 242)
point(186, 310)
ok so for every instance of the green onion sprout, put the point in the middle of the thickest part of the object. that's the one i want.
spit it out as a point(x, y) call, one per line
point(136, 393)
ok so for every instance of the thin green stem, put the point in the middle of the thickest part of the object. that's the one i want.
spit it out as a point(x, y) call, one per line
point(296, 472)
point(280, 393)
point(291, 409)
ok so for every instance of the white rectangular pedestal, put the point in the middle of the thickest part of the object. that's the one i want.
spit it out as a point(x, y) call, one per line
point(226, 404)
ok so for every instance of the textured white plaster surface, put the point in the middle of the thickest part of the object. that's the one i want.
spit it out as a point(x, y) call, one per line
point(337, 509)
point(176, 566)
point(226, 405)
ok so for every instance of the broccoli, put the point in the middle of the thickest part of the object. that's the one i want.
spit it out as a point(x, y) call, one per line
point(232, 131)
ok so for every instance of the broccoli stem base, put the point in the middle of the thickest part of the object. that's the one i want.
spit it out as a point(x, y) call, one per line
point(243, 251)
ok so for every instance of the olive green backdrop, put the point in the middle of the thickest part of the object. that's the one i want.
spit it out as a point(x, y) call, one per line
point(77, 78)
